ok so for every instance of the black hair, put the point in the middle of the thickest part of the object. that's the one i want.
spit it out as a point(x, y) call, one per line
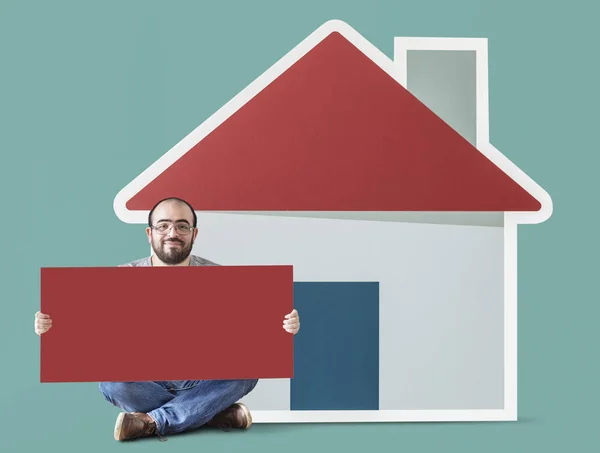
point(172, 199)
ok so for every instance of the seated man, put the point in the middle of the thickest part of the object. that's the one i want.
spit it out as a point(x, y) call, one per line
point(167, 407)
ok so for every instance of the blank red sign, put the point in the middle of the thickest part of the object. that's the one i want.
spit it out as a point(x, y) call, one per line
point(166, 323)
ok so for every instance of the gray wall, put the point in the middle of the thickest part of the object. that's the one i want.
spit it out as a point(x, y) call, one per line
point(441, 297)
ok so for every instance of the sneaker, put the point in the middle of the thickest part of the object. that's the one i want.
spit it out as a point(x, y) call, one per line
point(133, 425)
point(235, 416)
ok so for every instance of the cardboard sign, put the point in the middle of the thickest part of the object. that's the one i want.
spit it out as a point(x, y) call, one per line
point(166, 323)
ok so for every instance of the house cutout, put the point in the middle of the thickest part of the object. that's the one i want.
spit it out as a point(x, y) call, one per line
point(330, 133)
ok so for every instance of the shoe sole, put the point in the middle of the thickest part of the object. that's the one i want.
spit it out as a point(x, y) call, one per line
point(119, 426)
point(247, 414)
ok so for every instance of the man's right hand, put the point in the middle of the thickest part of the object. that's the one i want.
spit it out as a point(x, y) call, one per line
point(42, 323)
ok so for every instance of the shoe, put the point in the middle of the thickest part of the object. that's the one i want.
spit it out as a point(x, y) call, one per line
point(132, 425)
point(235, 416)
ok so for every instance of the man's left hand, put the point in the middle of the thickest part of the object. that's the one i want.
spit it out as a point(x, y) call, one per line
point(291, 323)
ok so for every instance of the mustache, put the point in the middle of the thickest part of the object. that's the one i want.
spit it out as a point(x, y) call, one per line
point(172, 240)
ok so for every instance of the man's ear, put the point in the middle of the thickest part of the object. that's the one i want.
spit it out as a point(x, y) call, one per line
point(149, 234)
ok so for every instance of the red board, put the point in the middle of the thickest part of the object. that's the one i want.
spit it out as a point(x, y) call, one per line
point(166, 323)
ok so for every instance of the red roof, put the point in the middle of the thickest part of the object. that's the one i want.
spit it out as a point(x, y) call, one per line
point(335, 133)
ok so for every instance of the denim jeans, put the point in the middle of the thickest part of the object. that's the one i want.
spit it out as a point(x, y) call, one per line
point(177, 405)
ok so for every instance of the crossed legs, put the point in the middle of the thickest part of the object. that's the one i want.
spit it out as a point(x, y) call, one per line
point(180, 409)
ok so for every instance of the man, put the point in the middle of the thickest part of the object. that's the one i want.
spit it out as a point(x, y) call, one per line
point(168, 407)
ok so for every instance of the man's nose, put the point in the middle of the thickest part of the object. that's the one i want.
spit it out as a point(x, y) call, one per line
point(172, 233)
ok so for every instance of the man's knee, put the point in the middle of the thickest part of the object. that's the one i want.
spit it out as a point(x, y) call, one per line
point(115, 392)
point(251, 384)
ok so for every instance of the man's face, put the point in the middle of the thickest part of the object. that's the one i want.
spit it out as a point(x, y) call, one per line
point(171, 246)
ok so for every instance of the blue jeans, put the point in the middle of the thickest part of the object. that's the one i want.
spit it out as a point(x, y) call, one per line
point(177, 405)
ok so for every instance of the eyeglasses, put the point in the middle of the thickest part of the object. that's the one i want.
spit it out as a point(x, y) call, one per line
point(164, 227)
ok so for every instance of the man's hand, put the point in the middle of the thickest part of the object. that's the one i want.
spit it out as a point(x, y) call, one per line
point(291, 323)
point(42, 323)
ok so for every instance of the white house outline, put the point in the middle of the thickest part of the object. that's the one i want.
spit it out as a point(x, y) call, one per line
point(397, 69)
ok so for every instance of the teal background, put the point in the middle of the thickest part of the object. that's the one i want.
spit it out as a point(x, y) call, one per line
point(91, 93)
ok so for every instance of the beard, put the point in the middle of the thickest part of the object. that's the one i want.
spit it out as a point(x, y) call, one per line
point(171, 255)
